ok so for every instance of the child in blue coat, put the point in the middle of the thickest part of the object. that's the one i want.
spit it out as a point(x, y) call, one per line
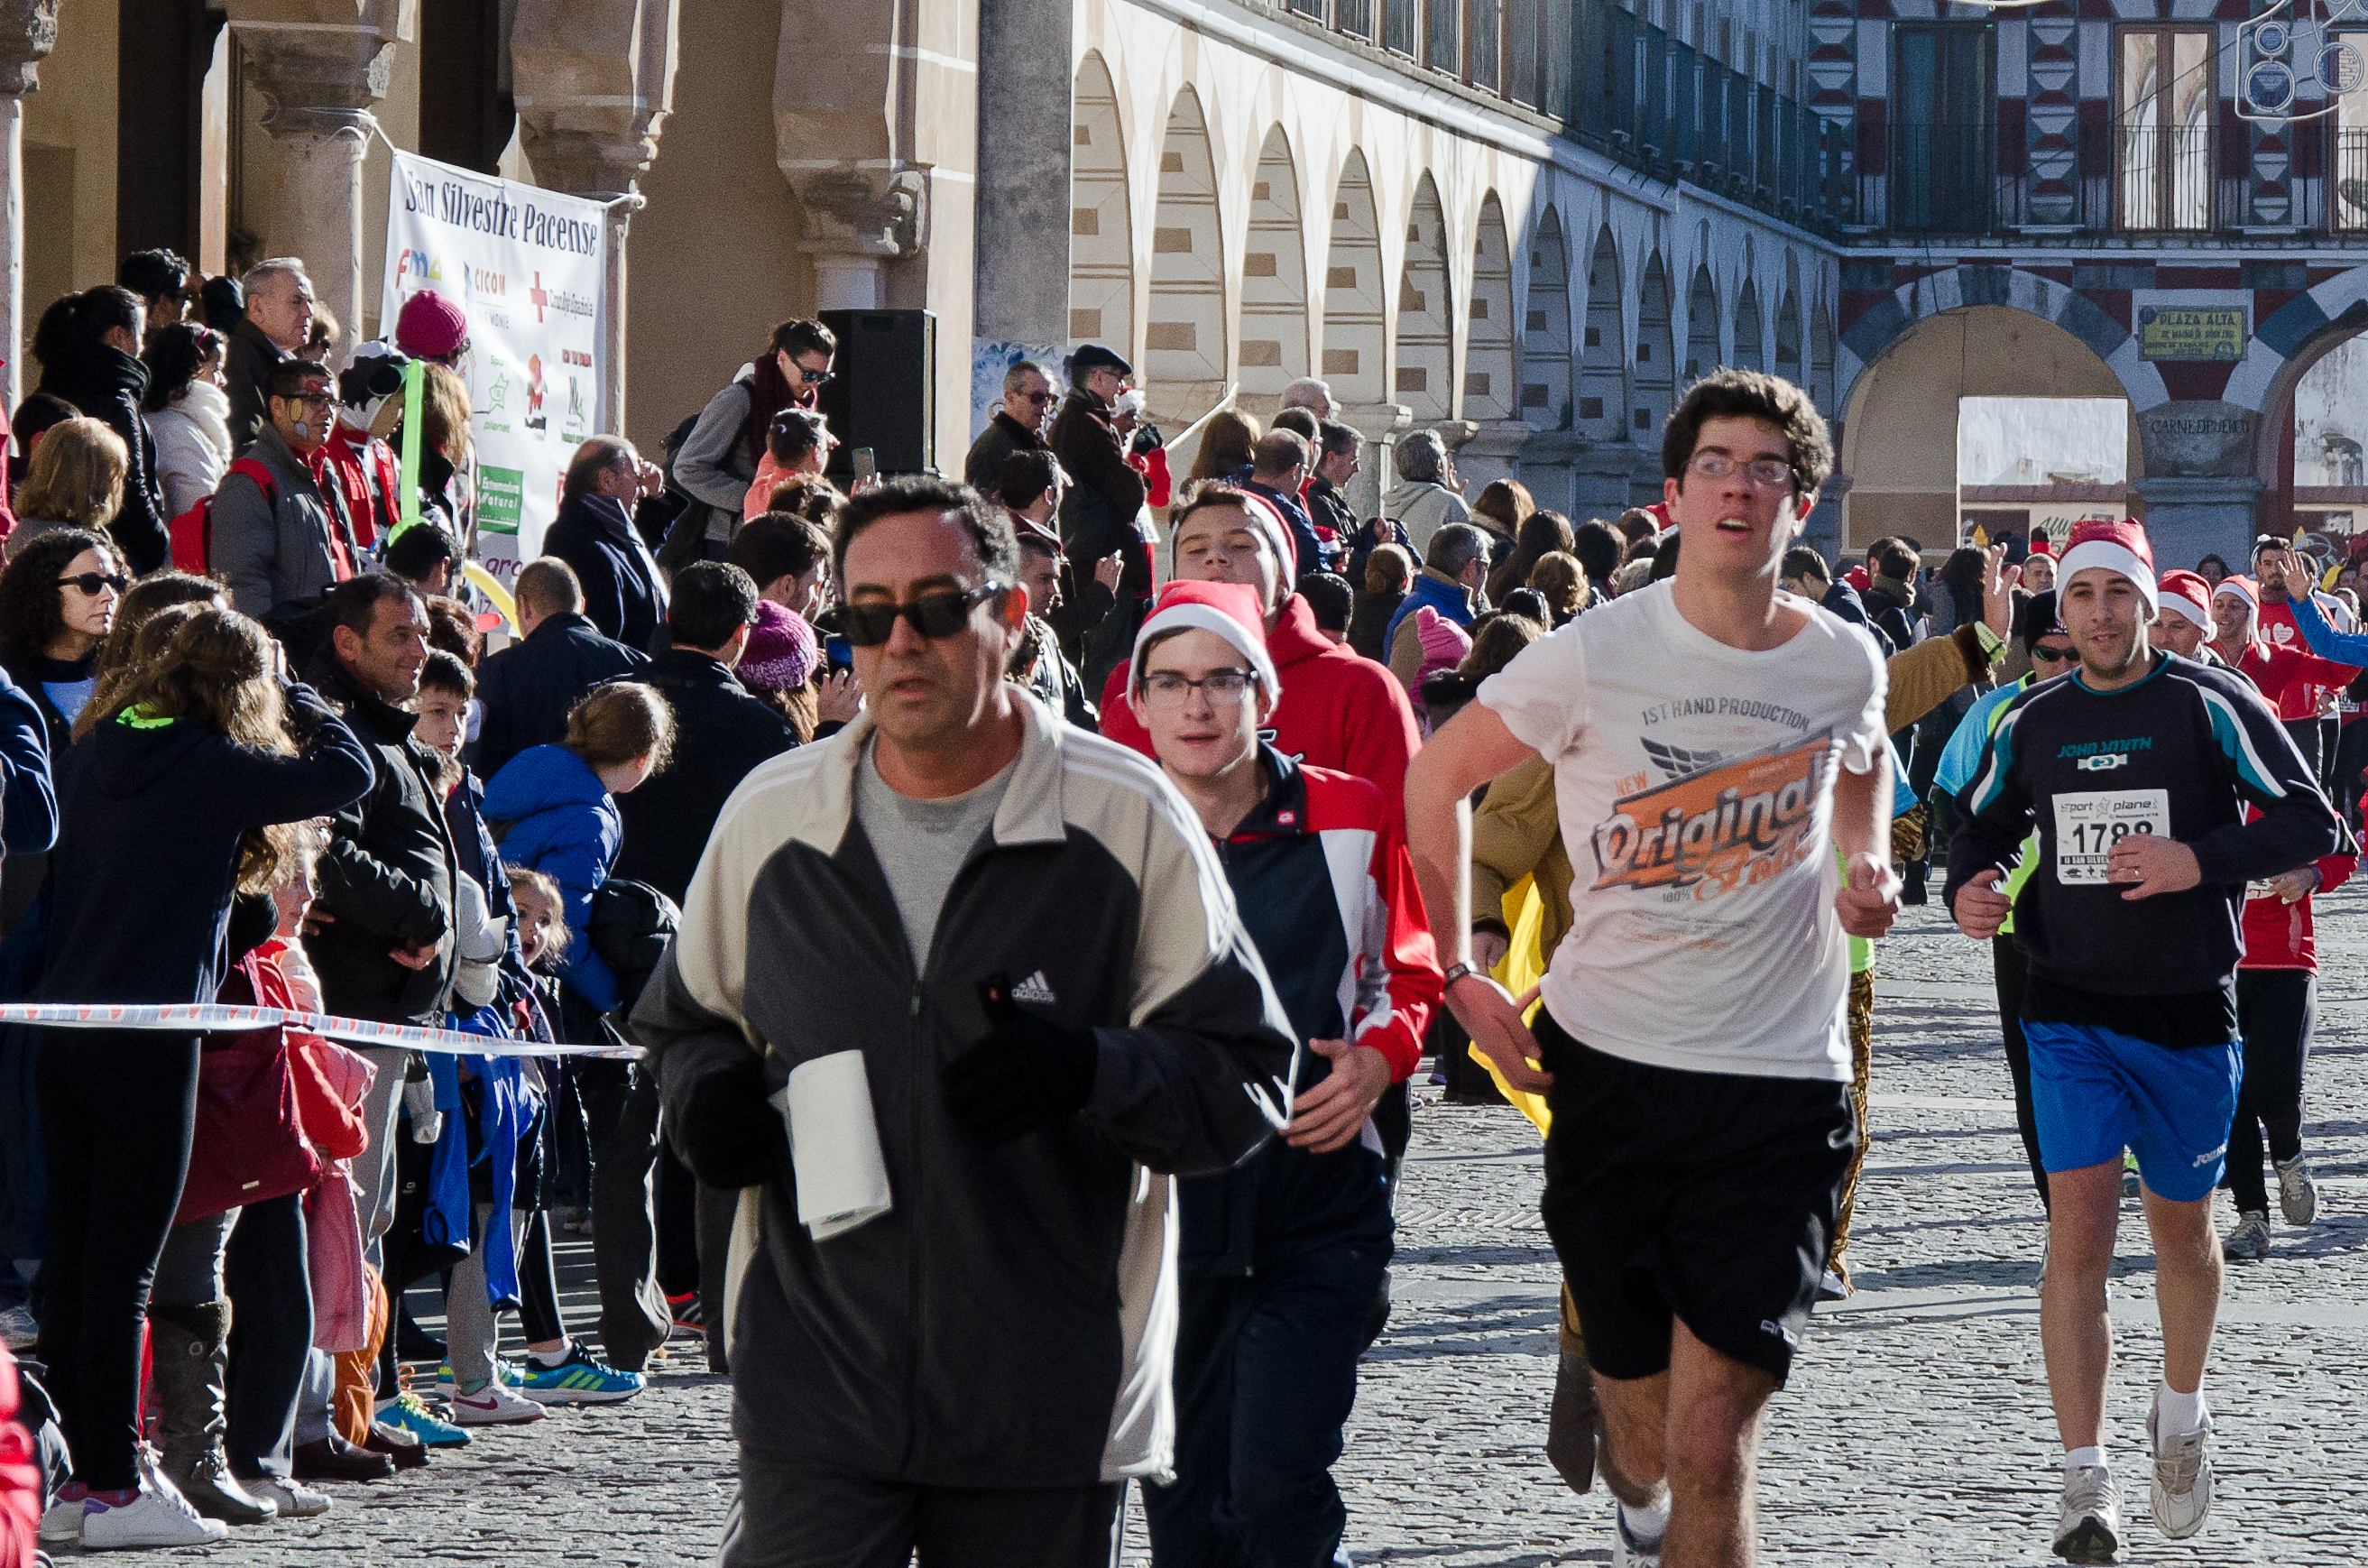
point(554, 810)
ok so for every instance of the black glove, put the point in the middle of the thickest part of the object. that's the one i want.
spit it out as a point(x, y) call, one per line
point(728, 1136)
point(1028, 1073)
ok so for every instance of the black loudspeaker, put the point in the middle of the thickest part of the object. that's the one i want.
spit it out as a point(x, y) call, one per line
point(884, 395)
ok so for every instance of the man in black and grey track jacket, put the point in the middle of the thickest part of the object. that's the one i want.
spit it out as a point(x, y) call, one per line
point(976, 1370)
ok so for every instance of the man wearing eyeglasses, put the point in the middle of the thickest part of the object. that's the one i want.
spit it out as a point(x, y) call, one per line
point(1713, 744)
point(289, 540)
point(1023, 930)
point(1018, 426)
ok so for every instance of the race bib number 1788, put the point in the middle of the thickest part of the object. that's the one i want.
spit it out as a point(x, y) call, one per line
point(2087, 827)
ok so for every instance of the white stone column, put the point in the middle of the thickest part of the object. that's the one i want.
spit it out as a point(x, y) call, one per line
point(320, 78)
point(29, 29)
point(593, 83)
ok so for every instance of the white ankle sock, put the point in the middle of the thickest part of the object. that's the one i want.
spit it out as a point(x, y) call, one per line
point(2179, 1413)
point(1647, 1524)
point(2074, 1459)
point(548, 1359)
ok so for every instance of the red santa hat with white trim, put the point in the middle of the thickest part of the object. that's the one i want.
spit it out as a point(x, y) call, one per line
point(2118, 545)
point(2187, 594)
point(1230, 609)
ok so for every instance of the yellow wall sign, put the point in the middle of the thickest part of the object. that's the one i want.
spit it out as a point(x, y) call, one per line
point(2191, 332)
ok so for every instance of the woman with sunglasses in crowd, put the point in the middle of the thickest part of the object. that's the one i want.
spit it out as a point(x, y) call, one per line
point(58, 599)
point(718, 459)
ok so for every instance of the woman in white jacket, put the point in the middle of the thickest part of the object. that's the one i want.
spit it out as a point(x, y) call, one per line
point(189, 412)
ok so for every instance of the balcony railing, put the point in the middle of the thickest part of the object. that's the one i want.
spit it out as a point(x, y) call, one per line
point(2164, 176)
point(1940, 180)
point(1618, 84)
point(2347, 193)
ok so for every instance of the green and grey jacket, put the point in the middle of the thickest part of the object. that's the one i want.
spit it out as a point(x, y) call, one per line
point(1010, 1322)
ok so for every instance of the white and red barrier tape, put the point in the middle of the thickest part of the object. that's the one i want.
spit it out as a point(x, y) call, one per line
point(212, 1018)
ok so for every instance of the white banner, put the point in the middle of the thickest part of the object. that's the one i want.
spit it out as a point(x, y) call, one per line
point(527, 266)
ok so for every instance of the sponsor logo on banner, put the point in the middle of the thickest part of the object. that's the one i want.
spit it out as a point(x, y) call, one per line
point(1717, 825)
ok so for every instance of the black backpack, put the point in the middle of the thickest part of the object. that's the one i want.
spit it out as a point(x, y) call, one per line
point(632, 923)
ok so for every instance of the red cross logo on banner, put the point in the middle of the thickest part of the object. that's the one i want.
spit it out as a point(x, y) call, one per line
point(538, 296)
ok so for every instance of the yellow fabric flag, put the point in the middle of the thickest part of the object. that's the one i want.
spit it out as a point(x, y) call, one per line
point(1524, 963)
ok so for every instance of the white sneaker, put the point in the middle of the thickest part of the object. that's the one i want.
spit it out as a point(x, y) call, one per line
point(494, 1405)
point(62, 1521)
point(2297, 1194)
point(296, 1500)
point(2090, 1528)
point(2182, 1493)
point(159, 1516)
point(1628, 1549)
point(2250, 1242)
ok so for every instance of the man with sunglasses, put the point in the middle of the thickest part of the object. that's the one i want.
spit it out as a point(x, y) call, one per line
point(1018, 426)
point(1713, 745)
point(1022, 928)
point(293, 541)
point(2159, 787)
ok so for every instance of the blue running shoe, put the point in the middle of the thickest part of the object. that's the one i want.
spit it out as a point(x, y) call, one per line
point(409, 1413)
point(582, 1379)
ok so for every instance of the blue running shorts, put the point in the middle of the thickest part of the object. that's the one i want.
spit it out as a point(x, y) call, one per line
point(2095, 1092)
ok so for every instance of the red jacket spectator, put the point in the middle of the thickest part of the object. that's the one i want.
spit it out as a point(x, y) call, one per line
point(1339, 710)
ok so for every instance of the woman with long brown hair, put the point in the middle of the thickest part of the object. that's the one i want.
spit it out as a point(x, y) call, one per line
point(175, 803)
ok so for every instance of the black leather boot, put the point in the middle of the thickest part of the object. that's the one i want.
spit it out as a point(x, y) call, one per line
point(191, 1354)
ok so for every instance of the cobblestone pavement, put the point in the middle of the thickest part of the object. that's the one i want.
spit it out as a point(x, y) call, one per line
point(1915, 1430)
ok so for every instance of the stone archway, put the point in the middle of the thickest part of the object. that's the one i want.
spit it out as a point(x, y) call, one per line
point(1101, 245)
point(1788, 339)
point(1871, 333)
point(1702, 354)
point(1748, 350)
point(1545, 331)
point(1489, 392)
point(1602, 413)
point(1900, 438)
point(1184, 335)
point(1274, 282)
point(1353, 342)
point(1656, 356)
point(1425, 343)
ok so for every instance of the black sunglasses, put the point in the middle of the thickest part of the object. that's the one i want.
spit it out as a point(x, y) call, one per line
point(2054, 656)
point(812, 378)
point(92, 582)
point(932, 615)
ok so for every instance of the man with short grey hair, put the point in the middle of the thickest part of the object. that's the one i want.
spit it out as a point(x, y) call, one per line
point(1018, 426)
point(1428, 495)
point(277, 322)
point(1311, 394)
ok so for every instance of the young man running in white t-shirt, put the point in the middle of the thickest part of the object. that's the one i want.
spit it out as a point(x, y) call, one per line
point(1713, 740)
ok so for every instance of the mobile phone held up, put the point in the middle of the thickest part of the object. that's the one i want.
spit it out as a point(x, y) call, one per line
point(839, 652)
point(867, 468)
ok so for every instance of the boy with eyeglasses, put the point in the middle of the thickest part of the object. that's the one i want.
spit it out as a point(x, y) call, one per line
point(1714, 743)
point(1283, 1254)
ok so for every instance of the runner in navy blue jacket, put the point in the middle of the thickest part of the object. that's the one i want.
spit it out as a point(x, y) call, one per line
point(162, 803)
point(2136, 770)
point(1282, 1257)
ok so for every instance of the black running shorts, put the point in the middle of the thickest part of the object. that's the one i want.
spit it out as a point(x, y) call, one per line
point(1706, 1197)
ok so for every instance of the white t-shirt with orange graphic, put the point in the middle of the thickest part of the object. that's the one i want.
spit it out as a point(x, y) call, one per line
point(1695, 787)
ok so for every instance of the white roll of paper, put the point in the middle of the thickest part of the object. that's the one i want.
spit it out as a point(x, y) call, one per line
point(834, 1144)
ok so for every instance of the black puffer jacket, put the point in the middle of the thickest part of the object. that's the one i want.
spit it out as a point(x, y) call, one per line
point(387, 878)
point(107, 384)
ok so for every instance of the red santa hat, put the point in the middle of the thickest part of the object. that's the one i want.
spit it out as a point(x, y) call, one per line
point(2242, 587)
point(1268, 520)
point(2118, 546)
point(2187, 594)
point(2039, 545)
point(1230, 609)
